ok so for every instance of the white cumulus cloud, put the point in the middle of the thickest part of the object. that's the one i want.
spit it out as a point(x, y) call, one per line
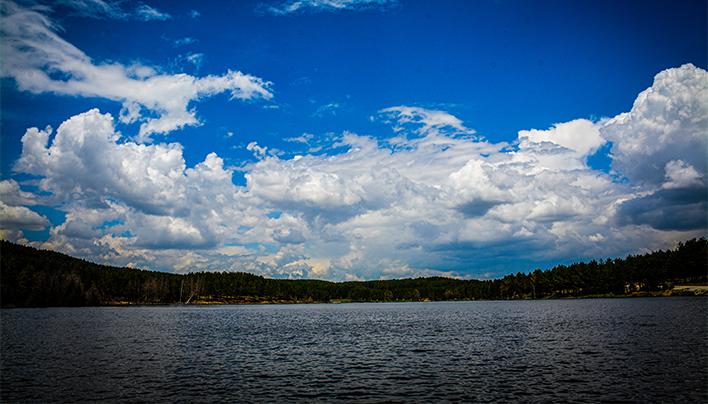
point(681, 175)
point(668, 121)
point(434, 200)
point(20, 217)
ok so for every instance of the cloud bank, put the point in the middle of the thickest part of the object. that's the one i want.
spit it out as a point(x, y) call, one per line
point(434, 198)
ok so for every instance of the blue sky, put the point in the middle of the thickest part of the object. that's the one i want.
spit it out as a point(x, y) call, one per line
point(361, 139)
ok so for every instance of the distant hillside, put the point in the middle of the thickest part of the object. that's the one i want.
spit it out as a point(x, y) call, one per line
point(31, 278)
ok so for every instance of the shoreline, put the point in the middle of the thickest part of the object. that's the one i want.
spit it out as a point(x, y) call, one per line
point(676, 291)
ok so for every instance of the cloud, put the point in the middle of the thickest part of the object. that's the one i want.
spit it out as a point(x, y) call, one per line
point(11, 194)
point(565, 146)
point(668, 209)
point(681, 203)
point(98, 9)
point(20, 217)
point(681, 175)
point(661, 147)
point(476, 207)
point(327, 109)
point(158, 201)
point(195, 59)
point(138, 197)
point(312, 6)
point(580, 136)
point(84, 157)
point(147, 13)
point(258, 151)
point(288, 236)
point(304, 138)
point(166, 232)
point(184, 41)
point(667, 122)
point(426, 120)
point(434, 199)
point(418, 202)
point(42, 62)
point(14, 217)
point(117, 10)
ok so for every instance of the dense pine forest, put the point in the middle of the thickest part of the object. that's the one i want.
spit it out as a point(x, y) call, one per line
point(32, 278)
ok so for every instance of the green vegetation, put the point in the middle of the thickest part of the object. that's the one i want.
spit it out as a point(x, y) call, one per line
point(30, 278)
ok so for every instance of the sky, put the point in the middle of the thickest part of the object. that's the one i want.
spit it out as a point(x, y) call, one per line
point(353, 139)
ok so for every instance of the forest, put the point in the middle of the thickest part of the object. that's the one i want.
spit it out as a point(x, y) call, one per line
point(37, 278)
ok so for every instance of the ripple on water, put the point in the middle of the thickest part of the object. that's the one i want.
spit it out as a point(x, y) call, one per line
point(580, 350)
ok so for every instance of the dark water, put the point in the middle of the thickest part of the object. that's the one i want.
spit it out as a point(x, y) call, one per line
point(640, 350)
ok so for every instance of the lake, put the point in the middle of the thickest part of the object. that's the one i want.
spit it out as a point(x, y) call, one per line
point(639, 350)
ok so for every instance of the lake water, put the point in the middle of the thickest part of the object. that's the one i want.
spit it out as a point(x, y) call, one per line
point(640, 350)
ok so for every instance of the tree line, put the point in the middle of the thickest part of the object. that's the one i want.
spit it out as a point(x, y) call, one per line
point(38, 278)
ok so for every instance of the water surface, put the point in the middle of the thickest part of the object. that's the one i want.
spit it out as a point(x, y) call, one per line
point(640, 350)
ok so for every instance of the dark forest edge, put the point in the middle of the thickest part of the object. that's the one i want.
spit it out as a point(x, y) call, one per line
point(39, 278)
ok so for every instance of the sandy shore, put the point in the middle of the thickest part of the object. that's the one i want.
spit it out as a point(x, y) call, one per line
point(695, 289)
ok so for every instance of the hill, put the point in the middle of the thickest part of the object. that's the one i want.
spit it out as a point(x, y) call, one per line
point(30, 278)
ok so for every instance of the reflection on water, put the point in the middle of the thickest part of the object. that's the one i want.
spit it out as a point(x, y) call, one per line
point(588, 350)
